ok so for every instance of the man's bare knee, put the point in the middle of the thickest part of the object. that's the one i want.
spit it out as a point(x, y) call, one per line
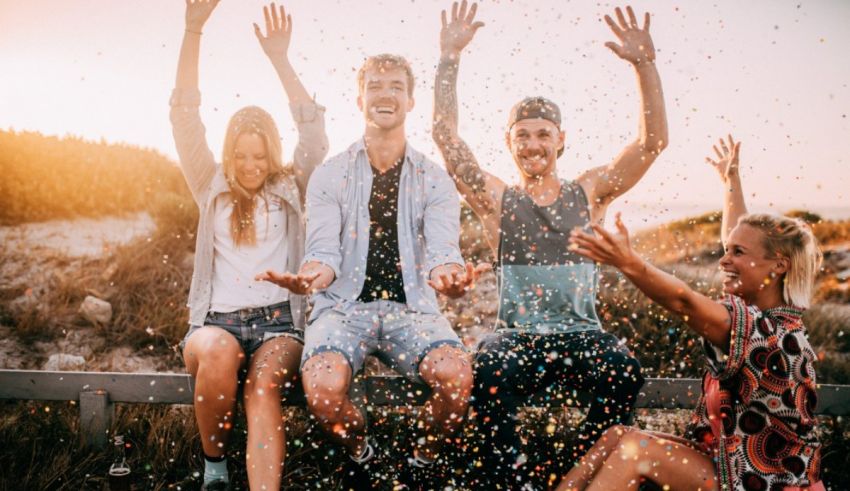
point(447, 368)
point(326, 378)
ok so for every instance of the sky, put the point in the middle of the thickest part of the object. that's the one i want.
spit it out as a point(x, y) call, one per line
point(769, 72)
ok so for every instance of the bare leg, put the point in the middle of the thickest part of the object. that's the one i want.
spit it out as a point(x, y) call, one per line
point(326, 378)
point(661, 460)
point(272, 371)
point(214, 357)
point(587, 467)
point(448, 371)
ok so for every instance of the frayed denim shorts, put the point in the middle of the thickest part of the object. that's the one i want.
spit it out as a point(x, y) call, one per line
point(252, 326)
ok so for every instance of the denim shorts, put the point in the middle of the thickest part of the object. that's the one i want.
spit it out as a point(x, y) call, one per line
point(252, 326)
point(394, 334)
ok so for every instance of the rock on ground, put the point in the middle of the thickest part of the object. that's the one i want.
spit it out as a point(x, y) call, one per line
point(96, 311)
point(64, 362)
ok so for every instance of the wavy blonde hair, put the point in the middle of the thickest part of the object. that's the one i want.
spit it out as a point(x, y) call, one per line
point(250, 120)
point(791, 238)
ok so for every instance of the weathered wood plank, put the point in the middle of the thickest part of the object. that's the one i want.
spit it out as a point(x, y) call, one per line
point(168, 388)
point(96, 413)
point(833, 400)
point(172, 388)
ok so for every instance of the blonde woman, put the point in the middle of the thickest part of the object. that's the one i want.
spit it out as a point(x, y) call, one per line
point(251, 219)
point(753, 428)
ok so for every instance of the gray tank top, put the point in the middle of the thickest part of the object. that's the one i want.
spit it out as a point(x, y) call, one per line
point(544, 287)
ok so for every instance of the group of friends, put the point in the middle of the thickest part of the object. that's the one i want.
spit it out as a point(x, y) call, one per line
point(370, 237)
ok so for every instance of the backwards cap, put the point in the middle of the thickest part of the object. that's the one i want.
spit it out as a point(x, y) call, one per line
point(535, 108)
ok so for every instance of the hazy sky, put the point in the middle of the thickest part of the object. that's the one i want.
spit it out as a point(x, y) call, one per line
point(769, 71)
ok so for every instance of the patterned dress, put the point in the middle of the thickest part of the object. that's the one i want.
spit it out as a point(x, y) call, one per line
point(767, 401)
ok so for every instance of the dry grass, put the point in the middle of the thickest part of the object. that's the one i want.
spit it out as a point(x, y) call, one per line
point(54, 310)
point(152, 279)
point(164, 447)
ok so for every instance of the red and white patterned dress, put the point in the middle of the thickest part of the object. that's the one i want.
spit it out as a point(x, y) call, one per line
point(767, 401)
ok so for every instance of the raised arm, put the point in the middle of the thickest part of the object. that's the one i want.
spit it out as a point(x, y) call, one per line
point(309, 117)
point(196, 159)
point(480, 189)
point(708, 318)
point(733, 194)
point(197, 14)
point(605, 183)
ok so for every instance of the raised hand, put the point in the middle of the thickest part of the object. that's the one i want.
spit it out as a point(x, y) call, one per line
point(197, 13)
point(604, 247)
point(727, 158)
point(278, 32)
point(456, 34)
point(299, 284)
point(636, 46)
point(454, 282)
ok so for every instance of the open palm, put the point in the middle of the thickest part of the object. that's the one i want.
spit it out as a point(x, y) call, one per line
point(603, 246)
point(457, 33)
point(636, 43)
point(727, 158)
point(275, 43)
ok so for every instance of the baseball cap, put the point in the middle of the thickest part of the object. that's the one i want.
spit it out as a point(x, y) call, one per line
point(535, 108)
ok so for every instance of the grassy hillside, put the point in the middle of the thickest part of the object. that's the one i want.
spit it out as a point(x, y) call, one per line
point(46, 177)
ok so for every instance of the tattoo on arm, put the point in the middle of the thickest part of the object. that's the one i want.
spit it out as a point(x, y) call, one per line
point(460, 162)
point(466, 169)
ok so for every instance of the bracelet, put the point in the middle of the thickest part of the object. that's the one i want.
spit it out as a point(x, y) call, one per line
point(194, 32)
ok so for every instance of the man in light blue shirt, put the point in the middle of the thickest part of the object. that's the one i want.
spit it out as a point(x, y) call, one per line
point(383, 224)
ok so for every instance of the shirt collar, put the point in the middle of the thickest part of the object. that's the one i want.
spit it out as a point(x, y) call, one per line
point(785, 313)
point(411, 155)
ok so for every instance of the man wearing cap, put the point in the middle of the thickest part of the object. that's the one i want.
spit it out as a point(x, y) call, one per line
point(548, 335)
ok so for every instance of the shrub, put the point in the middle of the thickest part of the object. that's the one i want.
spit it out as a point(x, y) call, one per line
point(46, 177)
point(806, 216)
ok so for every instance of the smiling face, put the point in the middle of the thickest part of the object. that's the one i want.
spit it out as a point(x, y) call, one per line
point(251, 161)
point(385, 97)
point(534, 145)
point(747, 267)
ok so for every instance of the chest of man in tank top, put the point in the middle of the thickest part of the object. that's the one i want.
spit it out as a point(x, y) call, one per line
point(543, 286)
point(536, 235)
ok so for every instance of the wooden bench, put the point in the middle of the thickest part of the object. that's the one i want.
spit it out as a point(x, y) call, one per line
point(96, 392)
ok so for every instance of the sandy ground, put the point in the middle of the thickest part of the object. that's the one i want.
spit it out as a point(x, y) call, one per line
point(31, 255)
point(75, 238)
point(31, 251)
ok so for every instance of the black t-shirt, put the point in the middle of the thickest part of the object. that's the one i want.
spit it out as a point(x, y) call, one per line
point(383, 266)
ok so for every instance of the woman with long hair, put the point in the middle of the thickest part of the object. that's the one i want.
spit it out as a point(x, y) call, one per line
point(242, 331)
point(753, 428)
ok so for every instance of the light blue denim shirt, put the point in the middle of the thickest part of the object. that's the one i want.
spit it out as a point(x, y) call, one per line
point(338, 226)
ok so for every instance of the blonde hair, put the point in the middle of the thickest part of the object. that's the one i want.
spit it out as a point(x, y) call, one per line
point(249, 120)
point(385, 62)
point(791, 238)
